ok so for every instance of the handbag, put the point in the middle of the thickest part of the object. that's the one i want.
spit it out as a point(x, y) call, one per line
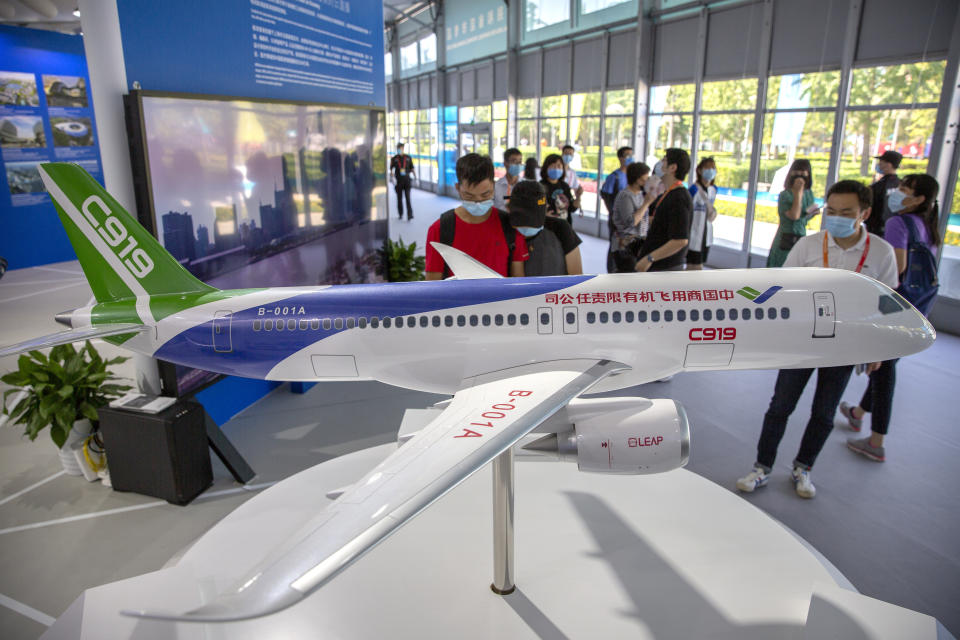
point(787, 240)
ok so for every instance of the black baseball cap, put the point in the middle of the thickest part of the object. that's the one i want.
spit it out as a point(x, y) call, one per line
point(528, 204)
point(892, 157)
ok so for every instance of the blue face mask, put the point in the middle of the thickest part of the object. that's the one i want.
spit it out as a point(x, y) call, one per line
point(554, 174)
point(658, 169)
point(895, 201)
point(529, 232)
point(514, 169)
point(876, 168)
point(567, 158)
point(840, 227)
point(708, 174)
point(628, 161)
point(477, 209)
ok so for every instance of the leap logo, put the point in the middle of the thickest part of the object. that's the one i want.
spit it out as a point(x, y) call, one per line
point(752, 294)
point(646, 441)
point(114, 233)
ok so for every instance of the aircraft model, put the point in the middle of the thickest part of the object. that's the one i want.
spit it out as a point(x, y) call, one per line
point(515, 353)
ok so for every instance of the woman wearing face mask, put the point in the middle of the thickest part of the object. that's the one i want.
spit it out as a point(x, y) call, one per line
point(796, 207)
point(704, 192)
point(915, 208)
point(552, 243)
point(559, 196)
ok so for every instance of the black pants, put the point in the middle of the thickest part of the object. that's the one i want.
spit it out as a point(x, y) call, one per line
point(403, 189)
point(878, 397)
point(831, 381)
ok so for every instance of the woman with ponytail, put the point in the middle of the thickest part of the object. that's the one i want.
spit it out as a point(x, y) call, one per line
point(915, 204)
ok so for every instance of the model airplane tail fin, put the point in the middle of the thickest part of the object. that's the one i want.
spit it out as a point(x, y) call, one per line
point(119, 257)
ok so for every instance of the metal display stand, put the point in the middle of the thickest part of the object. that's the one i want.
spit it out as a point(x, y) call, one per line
point(503, 538)
point(228, 454)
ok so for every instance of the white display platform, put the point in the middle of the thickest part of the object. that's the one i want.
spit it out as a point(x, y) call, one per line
point(598, 556)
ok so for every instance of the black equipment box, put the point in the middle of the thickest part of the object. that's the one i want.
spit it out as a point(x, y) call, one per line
point(163, 455)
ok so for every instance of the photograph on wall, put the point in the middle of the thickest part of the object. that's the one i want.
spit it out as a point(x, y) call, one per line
point(22, 132)
point(266, 194)
point(71, 132)
point(24, 177)
point(18, 89)
point(65, 91)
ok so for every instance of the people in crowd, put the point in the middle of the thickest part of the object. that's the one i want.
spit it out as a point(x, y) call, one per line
point(844, 243)
point(531, 170)
point(513, 163)
point(570, 174)
point(914, 203)
point(403, 172)
point(560, 200)
point(552, 243)
point(887, 164)
point(704, 192)
point(616, 180)
point(476, 227)
point(665, 247)
point(630, 218)
point(796, 207)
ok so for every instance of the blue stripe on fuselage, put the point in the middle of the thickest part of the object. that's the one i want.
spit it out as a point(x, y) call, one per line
point(255, 359)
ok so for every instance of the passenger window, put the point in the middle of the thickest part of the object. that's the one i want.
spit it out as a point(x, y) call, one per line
point(733, 314)
point(720, 315)
point(374, 322)
point(424, 321)
point(326, 324)
point(351, 323)
point(771, 313)
point(708, 315)
point(615, 316)
point(304, 323)
point(338, 323)
point(362, 323)
point(291, 324)
point(256, 325)
point(571, 317)
point(668, 316)
point(485, 320)
point(681, 315)
point(498, 320)
point(524, 319)
point(279, 325)
point(694, 315)
point(628, 316)
point(591, 317)
point(641, 316)
point(435, 321)
point(268, 325)
point(603, 317)
point(461, 321)
point(544, 319)
point(474, 320)
point(387, 322)
point(785, 313)
point(654, 316)
point(315, 324)
point(411, 322)
point(511, 319)
point(448, 321)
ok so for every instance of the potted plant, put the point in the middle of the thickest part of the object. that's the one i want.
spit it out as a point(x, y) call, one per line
point(399, 262)
point(62, 390)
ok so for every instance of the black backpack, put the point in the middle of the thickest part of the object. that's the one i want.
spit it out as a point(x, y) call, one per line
point(448, 228)
point(918, 283)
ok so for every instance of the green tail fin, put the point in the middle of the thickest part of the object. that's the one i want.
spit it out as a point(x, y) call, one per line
point(120, 258)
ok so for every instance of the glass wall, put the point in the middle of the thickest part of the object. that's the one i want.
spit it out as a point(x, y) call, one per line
point(499, 141)
point(584, 135)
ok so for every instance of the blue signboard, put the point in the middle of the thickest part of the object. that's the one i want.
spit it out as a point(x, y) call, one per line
point(328, 51)
point(474, 29)
point(46, 115)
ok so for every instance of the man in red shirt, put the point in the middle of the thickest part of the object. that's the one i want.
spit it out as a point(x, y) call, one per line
point(476, 227)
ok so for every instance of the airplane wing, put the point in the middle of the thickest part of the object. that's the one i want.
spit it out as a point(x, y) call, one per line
point(487, 416)
point(74, 335)
point(463, 266)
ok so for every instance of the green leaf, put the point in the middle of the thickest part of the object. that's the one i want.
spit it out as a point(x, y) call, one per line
point(59, 435)
point(65, 391)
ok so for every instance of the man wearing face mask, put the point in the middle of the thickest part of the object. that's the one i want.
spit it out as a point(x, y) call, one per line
point(552, 243)
point(665, 248)
point(513, 162)
point(887, 183)
point(616, 180)
point(402, 167)
point(570, 174)
point(476, 227)
point(843, 243)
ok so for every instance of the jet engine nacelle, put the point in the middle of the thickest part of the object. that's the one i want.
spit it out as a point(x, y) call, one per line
point(619, 435)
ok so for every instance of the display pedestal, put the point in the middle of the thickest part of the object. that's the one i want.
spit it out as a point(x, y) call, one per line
point(597, 556)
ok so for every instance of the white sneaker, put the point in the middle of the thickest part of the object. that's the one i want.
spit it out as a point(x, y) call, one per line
point(753, 480)
point(802, 483)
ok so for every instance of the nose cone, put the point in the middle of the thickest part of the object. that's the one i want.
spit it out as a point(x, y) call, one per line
point(65, 318)
point(906, 331)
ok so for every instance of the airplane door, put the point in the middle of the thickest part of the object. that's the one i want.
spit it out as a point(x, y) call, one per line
point(824, 315)
point(222, 342)
point(544, 320)
point(570, 320)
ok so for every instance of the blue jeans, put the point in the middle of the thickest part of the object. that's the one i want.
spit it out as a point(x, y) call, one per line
point(831, 382)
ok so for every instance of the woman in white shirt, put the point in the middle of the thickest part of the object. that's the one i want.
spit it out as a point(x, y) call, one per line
point(704, 192)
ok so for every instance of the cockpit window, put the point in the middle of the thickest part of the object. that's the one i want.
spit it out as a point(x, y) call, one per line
point(892, 304)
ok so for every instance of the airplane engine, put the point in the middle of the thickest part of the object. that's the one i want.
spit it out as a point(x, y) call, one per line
point(628, 436)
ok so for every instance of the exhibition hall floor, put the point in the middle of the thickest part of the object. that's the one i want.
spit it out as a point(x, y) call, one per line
point(892, 529)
